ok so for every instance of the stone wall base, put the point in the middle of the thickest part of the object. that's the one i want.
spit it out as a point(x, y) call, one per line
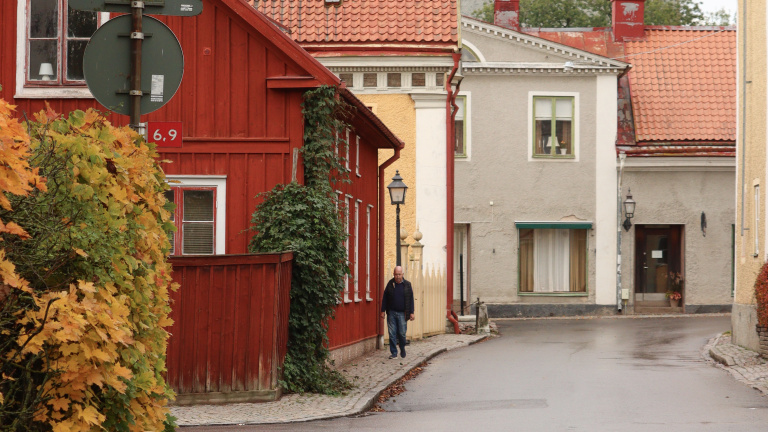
point(343, 355)
point(521, 310)
point(743, 322)
point(762, 335)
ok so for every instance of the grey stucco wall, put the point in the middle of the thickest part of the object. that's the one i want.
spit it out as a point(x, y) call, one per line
point(521, 190)
point(678, 197)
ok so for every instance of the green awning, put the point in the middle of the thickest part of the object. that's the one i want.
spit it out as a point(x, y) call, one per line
point(553, 225)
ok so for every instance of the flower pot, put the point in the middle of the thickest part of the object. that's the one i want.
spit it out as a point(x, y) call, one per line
point(674, 303)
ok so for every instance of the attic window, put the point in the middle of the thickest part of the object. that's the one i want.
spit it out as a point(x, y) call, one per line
point(347, 78)
point(419, 80)
point(370, 80)
point(333, 3)
point(440, 79)
point(393, 80)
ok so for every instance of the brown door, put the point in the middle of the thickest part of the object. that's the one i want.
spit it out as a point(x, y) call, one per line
point(658, 253)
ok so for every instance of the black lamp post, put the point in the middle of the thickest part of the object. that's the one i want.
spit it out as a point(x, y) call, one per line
point(629, 210)
point(397, 191)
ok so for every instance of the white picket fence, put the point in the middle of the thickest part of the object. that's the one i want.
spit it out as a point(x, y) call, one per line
point(429, 297)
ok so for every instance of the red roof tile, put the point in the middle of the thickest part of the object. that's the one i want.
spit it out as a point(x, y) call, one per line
point(683, 84)
point(432, 23)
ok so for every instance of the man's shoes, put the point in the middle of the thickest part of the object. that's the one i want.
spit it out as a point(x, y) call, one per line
point(402, 353)
point(392, 356)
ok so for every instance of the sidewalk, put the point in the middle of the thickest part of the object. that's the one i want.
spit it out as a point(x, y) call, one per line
point(371, 374)
point(745, 365)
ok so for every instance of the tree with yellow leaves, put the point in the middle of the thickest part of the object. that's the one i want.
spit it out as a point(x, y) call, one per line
point(85, 278)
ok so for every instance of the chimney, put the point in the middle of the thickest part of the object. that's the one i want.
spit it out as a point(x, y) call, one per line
point(627, 18)
point(506, 13)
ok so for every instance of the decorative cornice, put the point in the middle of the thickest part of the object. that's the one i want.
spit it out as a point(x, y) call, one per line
point(536, 68)
point(373, 68)
point(481, 27)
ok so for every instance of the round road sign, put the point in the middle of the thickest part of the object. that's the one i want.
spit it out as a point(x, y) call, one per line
point(107, 64)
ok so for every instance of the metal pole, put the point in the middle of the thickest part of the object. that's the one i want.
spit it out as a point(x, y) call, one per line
point(137, 36)
point(461, 282)
point(397, 234)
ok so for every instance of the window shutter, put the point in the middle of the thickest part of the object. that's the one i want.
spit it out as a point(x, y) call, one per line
point(198, 225)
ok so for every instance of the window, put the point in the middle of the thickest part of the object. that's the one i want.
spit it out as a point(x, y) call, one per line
point(553, 260)
point(460, 147)
point(553, 126)
point(199, 215)
point(357, 155)
point(346, 244)
point(757, 220)
point(56, 40)
point(368, 253)
point(357, 250)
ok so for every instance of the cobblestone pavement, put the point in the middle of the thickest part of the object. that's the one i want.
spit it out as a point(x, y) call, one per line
point(371, 374)
point(745, 365)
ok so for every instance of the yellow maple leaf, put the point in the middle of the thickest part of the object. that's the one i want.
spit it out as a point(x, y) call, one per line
point(59, 404)
point(91, 416)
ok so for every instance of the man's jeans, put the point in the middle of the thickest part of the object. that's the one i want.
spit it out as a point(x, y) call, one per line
point(397, 326)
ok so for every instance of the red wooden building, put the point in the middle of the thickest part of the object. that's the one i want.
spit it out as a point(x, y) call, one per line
point(240, 108)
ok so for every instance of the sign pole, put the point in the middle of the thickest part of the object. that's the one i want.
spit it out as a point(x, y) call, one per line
point(137, 36)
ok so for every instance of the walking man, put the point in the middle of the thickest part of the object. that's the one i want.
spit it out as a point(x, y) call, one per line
point(398, 305)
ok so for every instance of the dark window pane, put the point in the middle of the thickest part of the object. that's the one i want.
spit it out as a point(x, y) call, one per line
point(440, 78)
point(42, 51)
point(393, 80)
point(170, 197)
point(43, 18)
point(197, 239)
point(459, 130)
point(81, 23)
point(419, 80)
point(347, 78)
point(75, 51)
point(198, 205)
point(370, 80)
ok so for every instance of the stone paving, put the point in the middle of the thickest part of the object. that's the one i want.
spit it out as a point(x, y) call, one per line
point(745, 365)
point(371, 374)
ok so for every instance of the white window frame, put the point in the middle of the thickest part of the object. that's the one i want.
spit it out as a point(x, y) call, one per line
point(220, 184)
point(347, 197)
point(54, 92)
point(357, 155)
point(467, 118)
point(349, 148)
point(576, 128)
point(368, 254)
point(757, 221)
point(357, 250)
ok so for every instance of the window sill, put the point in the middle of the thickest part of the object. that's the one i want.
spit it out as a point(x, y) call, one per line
point(358, 300)
point(368, 299)
point(346, 300)
point(553, 294)
point(53, 93)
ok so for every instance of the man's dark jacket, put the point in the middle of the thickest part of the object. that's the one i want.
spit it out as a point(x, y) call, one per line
point(388, 299)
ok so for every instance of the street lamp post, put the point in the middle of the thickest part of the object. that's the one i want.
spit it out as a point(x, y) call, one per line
point(397, 191)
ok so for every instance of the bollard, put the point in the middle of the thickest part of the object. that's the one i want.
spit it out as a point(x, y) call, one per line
point(482, 325)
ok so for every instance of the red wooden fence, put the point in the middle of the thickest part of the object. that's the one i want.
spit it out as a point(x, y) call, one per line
point(230, 331)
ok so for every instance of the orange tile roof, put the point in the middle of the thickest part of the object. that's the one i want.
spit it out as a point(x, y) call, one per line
point(683, 84)
point(431, 23)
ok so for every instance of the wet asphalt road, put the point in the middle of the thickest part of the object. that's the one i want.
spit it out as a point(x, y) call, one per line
point(571, 375)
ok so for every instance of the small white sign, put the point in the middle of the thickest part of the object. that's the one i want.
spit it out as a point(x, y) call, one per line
point(156, 91)
point(657, 254)
point(186, 7)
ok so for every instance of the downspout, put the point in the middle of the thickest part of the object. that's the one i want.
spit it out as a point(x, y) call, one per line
point(622, 156)
point(382, 167)
point(743, 115)
point(450, 105)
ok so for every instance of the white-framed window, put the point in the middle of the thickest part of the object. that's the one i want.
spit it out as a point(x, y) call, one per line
point(368, 253)
point(552, 258)
point(347, 155)
point(357, 250)
point(200, 214)
point(462, 127)
point(757, 220)
point(553, 134)
point(347, 224)
point(357, 155)
point(50, 43)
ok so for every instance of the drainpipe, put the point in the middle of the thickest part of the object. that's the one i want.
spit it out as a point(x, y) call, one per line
point(382, 167)
point(743, 114)
point(622, 156)
point(450, 105)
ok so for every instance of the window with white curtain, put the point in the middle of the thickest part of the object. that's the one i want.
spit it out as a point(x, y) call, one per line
point(553, 260)
point(553, 126)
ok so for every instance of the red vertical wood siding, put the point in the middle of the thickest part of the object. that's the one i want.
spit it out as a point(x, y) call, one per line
point(356, 321)
point(230, 322)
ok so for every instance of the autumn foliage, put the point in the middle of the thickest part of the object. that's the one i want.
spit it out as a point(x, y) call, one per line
point(761, 295)
point(83, 276)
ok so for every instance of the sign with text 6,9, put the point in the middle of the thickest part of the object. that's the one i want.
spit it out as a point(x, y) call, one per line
point(164, 134)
